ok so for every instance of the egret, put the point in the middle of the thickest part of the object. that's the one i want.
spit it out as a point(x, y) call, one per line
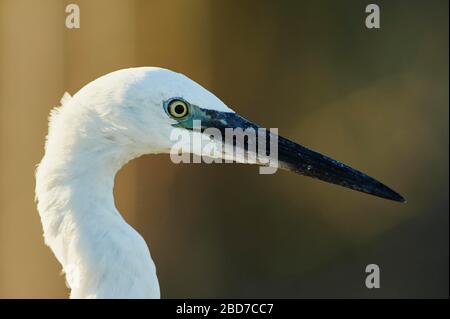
point(110, 121)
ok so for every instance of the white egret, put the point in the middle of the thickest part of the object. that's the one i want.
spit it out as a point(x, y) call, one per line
point(110, 121)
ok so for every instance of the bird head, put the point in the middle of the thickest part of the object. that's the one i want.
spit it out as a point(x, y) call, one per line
point(151, 110)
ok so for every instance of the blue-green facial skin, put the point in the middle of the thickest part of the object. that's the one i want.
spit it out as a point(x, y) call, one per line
point(194, 113)
point(207, 118)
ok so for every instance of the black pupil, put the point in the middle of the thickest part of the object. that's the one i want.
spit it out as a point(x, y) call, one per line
point(179, 109)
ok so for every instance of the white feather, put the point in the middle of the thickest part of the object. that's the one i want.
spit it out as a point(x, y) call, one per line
point(91, 136)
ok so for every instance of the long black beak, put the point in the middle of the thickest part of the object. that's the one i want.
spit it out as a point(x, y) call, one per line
point(301, 160)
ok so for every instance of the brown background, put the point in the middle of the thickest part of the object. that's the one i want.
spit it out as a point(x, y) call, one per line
point(375, 99)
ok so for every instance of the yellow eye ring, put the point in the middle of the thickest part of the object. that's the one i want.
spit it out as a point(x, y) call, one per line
point(178, 109)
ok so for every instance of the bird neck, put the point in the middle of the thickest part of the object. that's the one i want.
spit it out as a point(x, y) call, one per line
point(76, 184)
point(98, 250)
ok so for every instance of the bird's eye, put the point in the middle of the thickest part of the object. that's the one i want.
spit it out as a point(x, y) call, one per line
point(178, 109)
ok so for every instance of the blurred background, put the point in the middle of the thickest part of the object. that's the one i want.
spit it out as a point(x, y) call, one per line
point(375, 99)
